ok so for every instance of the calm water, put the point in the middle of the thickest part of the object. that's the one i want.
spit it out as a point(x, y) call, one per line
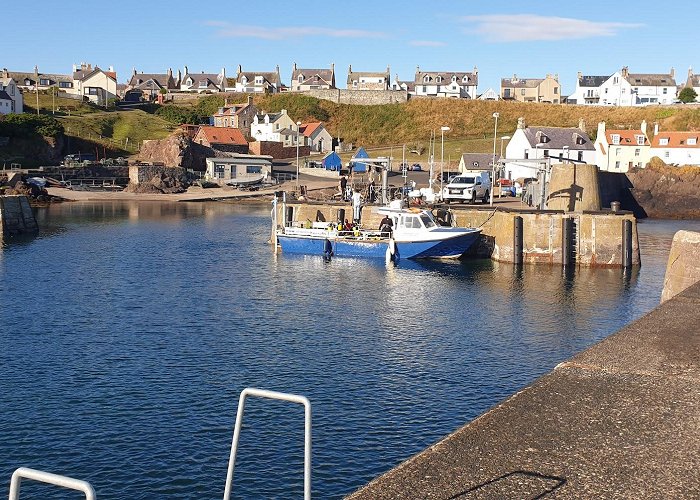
point(129, 330)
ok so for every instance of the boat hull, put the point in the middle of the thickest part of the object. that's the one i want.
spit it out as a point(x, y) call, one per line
point(445, 246)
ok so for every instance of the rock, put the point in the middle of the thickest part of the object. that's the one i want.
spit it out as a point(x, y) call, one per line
point(666, 191)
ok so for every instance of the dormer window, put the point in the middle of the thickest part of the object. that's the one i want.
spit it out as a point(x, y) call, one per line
point(438, 79)
point(244, 80)
point(640, 140)
point(541, 137)
point(692, 141)
point(615, 138)
point(258, 80)
point(426, 79)
point(301, 78)
point(454, 78)
point(190, 81)
point(465, 79)
point(663, 141)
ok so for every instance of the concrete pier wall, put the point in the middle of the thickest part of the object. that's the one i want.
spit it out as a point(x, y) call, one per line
point(683, 268)
point(16, 216)
point(597, 238)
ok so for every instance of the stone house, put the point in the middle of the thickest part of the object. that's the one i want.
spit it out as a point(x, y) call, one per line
point(407, 86)
point(537, 145)
point(446, 84)
point(238, 116)
point(368, 81)
point(317, 137)
point(228, 140)
point(312, 79)
point(693, 82)
point(11, 96)
point(203, 82)
point(531, 89)
point(620, 150)
point(257, 82)
point(150, 85)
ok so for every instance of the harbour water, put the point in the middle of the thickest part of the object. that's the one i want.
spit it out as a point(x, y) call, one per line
point(129, 330)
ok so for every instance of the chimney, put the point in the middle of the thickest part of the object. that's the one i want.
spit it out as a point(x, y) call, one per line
point(75, 68)
point(521, 123)
point(36, 70)
point(250, 100)
point(579, 75)
point(625, 72)
point(170, 72)
point(582, 124)
point(515, 78)
point(601, 131)
point(476, 70)
point(132, 69)
point(111, 69)
point(240, 70)
point(349, 68)
point(673, 72)
point(294, 68)
point(556, 76)
point(283, 111)
point(643, 127)
point(187, 72)
point(179, 78)
point(388, 70)
point(332, 67)
point(656, 128)
point(89, 67)
point(690, 72)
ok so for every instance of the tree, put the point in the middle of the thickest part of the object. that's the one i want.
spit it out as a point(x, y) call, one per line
point(687, 95)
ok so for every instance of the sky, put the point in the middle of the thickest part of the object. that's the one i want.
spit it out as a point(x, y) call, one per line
point(500, 38)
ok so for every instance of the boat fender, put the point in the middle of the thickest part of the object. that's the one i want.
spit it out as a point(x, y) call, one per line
point(392, 253)
point(327, 249)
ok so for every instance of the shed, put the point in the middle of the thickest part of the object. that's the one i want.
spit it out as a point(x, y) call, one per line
point(360, 167)
point(332, 161)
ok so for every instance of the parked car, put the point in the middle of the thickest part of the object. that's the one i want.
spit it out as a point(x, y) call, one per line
point(416, 167)
point(469, 186)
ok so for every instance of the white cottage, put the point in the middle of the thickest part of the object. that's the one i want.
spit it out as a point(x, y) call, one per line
point(621, 150)
point(679, 148)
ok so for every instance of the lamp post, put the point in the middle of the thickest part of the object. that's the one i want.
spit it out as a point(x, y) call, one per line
point(298, 126)
point(493, 164)
point(442, 154)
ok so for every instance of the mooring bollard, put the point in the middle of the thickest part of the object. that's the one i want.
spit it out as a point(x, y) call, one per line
point(626, 243)
point(517, 240)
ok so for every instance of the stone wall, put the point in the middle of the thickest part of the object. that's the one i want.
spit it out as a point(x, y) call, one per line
point(139, 174)
point(596, 239)
point(277, 150)
point(683, 268)
point(16, 216)
point(362, 97)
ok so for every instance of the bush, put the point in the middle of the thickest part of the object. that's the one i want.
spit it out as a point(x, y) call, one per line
point(26, 125)
point(177, 114)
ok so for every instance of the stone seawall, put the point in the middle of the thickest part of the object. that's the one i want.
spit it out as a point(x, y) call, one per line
point(361, 97)
point(596, 238)
point(16, 216)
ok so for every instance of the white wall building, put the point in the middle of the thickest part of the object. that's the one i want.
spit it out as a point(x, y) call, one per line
point(679, 148)
point(269, 126)
point(623, 88)
point(538, 144)
point(620, 150)
point(446, 84)
point(13, 101)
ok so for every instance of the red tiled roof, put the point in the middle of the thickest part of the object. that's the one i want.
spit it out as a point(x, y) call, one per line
point(676, 140)
point(307, 129)
point(627, 137)
point(222, 135)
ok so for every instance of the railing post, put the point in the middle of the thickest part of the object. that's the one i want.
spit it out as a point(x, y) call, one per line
point(49, 478)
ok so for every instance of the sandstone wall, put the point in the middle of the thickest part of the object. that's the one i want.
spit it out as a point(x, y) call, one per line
point(362, 97)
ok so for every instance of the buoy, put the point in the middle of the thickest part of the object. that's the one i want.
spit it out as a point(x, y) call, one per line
point(327, 250)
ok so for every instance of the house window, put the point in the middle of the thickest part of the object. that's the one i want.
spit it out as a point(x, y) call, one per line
point(556, 90)
point(522, 91)
point(624, 90)
point(301, 78)
point(219, 170)
point(426, 79)
point(454, 78)
point(616, 138)
point(606, 90)
point(65, 85)
point(527, 154)
point(616, 80)
point(233, 171)
point(439, 79)
point(637, 152)
point(667, 154)
point(44, 81)
point(580, 156)
point(546, 153)
point(665, 91)
point(253, 169)
point(618, 151)
point(617, 164)
point(640, 140)
point(663, 141)
point(258, 80)
point(692, 141)
point(92, 91)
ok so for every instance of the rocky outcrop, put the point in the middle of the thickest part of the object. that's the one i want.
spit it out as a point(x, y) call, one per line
point(154, 179)
point(665, 191)
point(177, 150)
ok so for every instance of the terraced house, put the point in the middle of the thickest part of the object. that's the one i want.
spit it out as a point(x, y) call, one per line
point(149, 85)
point(679, 148)
point(545, 89)
point(362, 80)
point(203, 82)
point(312, 79)
point(254, 82)
point(621, 150)
point(623, 88)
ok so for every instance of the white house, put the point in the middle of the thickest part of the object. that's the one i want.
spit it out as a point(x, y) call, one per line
point(680, 148)
point(269, 126)
point(530, 147)
point(623, 88)
point(312, 79)
point(257, 82)
point(94, 84)
point(446, 83)
point(203, 82)
point(358, 80)
point(587, 89)
point(490, 95)
point(620, 150)
point(11, 96)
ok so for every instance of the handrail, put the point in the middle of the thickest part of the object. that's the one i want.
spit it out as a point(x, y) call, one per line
point(47, 477)
point(292, 398)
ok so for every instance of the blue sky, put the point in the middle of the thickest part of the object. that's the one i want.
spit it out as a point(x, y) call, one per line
point(501, 38)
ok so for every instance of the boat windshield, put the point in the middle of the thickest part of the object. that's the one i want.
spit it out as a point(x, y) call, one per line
point(428, 222)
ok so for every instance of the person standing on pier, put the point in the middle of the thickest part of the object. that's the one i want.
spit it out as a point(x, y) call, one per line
point(356, 205)
point(343, 186)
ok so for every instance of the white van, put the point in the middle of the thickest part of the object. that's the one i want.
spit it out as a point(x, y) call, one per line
point(468, 186)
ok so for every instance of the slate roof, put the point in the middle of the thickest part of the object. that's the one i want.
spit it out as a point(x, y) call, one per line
point(473, 78)
point(21, 76)
point(222, 135)
point(693, 81)
point(160, 79)
point(556, 138)
point(85, 74)
point(313, 76)
point(4, 96)
point(212, 81)
point(232, 109)
point(529, 83)
point(592, 81)
point(676, 140)
point(651, 80)
point(473, 161)
point(273, 117)
point(272, 78)
point(368, 74)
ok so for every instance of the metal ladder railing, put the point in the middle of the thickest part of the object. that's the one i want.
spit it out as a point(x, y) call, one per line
point(49, 478)
point(292, 398)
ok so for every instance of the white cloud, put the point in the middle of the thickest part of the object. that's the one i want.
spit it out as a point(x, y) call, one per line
point(426, 43)
point(530, 27)
point(228, 30)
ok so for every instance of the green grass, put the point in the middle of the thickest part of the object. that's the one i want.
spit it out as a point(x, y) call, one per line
point(112, 129)
point(58, 106)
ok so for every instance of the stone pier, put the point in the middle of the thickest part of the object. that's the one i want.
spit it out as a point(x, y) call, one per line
point(16, 216)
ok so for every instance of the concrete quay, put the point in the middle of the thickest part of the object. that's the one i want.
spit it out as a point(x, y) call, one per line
point(619, 420)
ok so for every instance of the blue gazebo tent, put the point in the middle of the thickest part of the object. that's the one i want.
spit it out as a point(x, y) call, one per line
point(332, 161)
point(360, 167)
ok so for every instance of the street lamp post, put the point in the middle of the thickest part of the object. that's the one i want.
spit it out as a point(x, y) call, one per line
point(298, 126)
point(493, 164)
point(442, 154)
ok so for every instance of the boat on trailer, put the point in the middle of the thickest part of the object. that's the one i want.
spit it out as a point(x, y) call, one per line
point(415, 235)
